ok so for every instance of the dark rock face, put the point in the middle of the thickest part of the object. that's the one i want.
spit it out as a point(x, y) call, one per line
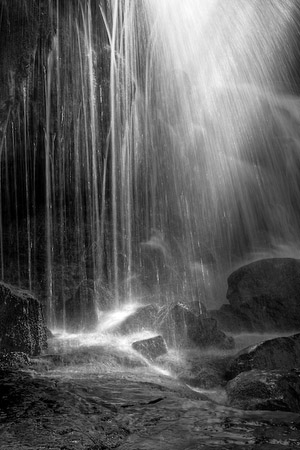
point(232, 320)
point(22, 327)
point(151, 348)
point(264, 296)
point(183, 327)
point(280, 353)
point(13, 360)
point(261, 390)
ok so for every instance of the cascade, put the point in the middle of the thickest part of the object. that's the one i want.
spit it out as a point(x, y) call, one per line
point(147, 148)
point(205, 140)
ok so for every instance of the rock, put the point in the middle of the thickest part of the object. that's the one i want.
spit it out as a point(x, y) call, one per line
point(203, 369)
point(13, 360)
point(261, 390)
point(49, 333)
point(204, 378)
point(232, 320)
point(151, 348)
point(144, 318)
point(281, 353)
point(266, 293)
point(22, 327)
point(182, 327)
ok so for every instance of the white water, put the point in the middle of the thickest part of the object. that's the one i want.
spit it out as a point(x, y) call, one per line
point(164, 152)
point(206, 141)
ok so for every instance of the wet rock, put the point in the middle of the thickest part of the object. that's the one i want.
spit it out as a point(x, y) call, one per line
point(13, 360)
point(144, 318)
point(151, 348)
point(261, 390)
point(195, 367)
point(281, 353)
point(266, 295)
point(232, 320)
point(204, 378)
point(22, 326)
point(49, 333)
point(182, 327)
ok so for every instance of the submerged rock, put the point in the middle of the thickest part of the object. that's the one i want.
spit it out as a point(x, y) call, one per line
point(151, 348)
point(261, 390)
point(22, 327)
point(263, 296)
point(281, 353)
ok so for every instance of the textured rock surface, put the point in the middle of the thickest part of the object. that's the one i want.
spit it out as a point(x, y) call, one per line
point(281, 353)
point(183, 327)
point(13, 360)
point(151, 348)
point(261, 390)
point(264, 296)
point(204, 369)
point(22, 326)
point(144, 318)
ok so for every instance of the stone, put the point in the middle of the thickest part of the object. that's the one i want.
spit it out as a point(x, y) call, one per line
point(182, 327)
point(22, 327)
point(143, 318)
point(232, 320)
point(266, 294)
point(13, 360)
point(281, 353)
point(151, 348)
point(262, 390)
point(203, 369)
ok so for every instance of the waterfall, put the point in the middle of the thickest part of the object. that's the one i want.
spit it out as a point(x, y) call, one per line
point(147, 148)
point(205, 139)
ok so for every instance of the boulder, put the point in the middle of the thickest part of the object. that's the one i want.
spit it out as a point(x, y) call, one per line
point(182, 327)
point(281, 353)
point(145, 317)
point(232, 320)
point(261, 390)
point(266, 295)
point(22, 327)
point(151, 348)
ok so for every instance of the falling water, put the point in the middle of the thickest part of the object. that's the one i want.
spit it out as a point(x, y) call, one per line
point(206, 143)
point(146, 149)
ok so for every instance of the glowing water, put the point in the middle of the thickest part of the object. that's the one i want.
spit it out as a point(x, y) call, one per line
point(163, 150)
point(206, 140)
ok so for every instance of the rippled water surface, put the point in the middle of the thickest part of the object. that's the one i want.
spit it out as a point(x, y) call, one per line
point(95, 398)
